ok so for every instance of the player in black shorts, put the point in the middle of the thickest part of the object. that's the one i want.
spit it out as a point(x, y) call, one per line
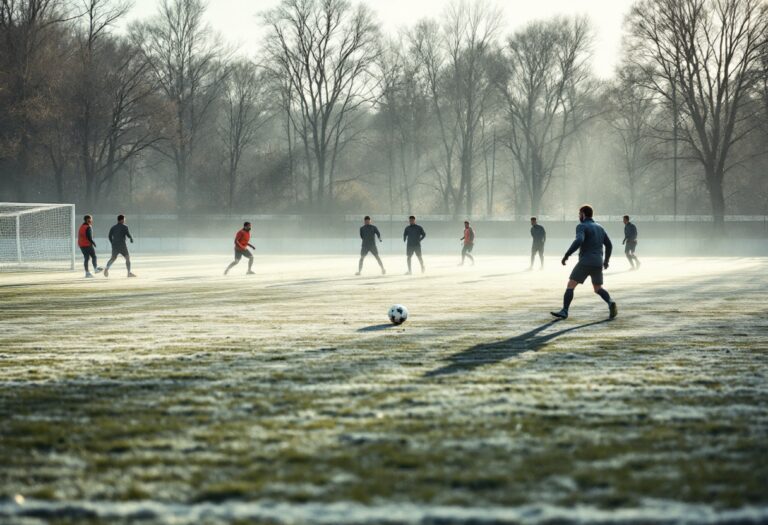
point(369, 233)
point(117, 235)
point(590, 239)
point(539, 236)
point(412, 236)
point(630, 243)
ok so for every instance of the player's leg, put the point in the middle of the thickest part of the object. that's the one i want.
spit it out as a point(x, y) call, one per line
point(578, 276)
point(634, 256)
point(128, 263)
point(409, 253)
point(541, 255)
point(628, 254)
point(421, 261)
point(363, 253)
point(86, 258)
point(597, 285)
point(375, 252)
point(96, 267)
point(463, 254)
point(238, 255)
point(533, 255)
point(249, 255)
point(111, 261)
point(469, 253)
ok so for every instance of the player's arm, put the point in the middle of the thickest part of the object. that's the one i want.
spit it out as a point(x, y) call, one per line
point(471, 235)
point(405, 234)
point(422, 234)
point(111, 235)
point(128, 234)
point(252, 246)
point(575, 244)
point(361, 233)
point(89, 235)
point(543, 236)
point(608, 250)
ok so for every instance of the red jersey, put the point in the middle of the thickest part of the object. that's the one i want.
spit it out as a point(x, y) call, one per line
point(469, 236)
point(82, 236)
point(242, 238)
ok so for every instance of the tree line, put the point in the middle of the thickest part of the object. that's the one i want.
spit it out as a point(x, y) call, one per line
point(454, 115)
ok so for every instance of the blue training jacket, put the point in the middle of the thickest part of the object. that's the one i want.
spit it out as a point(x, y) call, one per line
point(590, 239)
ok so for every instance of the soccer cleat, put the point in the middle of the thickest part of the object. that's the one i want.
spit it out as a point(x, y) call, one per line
point(250, 272)
point(613, 311)
point(226, 271)
point(106, 272)
point(638, 264)
point(98, 269)
point(408, 272)
point(131, 274)
point(357, 273)
point(562, 314)
point(423, 269)
point(88, 275)
point(383, 271)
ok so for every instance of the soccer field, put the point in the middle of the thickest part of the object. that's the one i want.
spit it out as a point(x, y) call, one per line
point(286, 397)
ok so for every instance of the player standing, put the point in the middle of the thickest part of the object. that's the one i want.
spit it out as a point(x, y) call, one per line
point(469, 243)
point(590, 239)
point(242, 242)
point(630, 243)
point(87, 245)
point(539, 238)
point(368, 233)
point(117, 236)
point(413, 235)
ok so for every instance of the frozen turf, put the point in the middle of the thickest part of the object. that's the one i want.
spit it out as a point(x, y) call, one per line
point(286, 397)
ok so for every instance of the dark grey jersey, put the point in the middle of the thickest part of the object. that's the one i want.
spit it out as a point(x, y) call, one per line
point(368, 233)
point(118, 234)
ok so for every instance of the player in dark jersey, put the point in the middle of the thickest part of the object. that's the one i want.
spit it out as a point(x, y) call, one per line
point(630, 243)
point(369, 233)
point(539, 238)
point(590, 239)
point(88, 245)
point(412, 236)
point(242, 242)
point(117, 235)
point(468, 243)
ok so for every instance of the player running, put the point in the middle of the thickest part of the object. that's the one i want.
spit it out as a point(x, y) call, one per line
point(87, 245)
point(242, 242)
point(117, 236)
point(413, 235)
point(630, 243)
point(469, 243)
point(590, 239)
point(539, 238)
point(368, 233)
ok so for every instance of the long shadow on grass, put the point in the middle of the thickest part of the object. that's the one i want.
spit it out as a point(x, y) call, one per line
point(376, 327)
point(491, 353)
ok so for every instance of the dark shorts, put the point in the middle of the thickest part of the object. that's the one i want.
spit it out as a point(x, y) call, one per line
point(629, 247)
point(88, 251)
point(467, 248)
point(581, 272)
point(410, 250)
point(365, 250)
point(243, 253)
point(120, 250)
point(537, 247)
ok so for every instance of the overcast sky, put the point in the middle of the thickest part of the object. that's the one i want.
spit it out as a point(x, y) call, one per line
point(239, 24)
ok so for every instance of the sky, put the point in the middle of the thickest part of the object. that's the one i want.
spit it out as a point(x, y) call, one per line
point(239, 24)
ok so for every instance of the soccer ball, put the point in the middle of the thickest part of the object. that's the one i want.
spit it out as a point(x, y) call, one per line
point(398, 314)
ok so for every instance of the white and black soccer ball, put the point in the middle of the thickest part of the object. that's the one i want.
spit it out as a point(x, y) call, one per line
point(398, 313)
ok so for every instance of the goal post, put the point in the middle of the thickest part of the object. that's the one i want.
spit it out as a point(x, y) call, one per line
point(37, 236)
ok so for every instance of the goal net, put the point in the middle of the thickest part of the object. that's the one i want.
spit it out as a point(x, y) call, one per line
point(37, 236)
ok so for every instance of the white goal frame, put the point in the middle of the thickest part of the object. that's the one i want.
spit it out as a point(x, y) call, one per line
point(16, 211)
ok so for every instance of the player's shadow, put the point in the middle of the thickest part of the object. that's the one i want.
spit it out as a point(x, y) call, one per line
point(376, 327)
point(491, 353)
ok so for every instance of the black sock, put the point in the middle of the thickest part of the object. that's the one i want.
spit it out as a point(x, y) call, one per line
point(605, 295)
point(567, 298)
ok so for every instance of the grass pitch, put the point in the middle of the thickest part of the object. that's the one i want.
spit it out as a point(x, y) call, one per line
point(286, 397)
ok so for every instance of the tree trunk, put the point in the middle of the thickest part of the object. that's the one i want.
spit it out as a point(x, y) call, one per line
point(717, 198)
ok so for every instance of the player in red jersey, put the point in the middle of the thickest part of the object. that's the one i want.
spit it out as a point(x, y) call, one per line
point(87, 245)
point(242, 242)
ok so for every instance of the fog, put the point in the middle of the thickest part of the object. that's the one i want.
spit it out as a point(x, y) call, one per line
point(445, 110)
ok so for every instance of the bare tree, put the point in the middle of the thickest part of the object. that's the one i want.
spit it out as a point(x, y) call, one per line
point(544, 88)
point(631, 115)
point(186, 62)
point(706, 54)
point(325, 49)
point(27, 31)
point(244, 113)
